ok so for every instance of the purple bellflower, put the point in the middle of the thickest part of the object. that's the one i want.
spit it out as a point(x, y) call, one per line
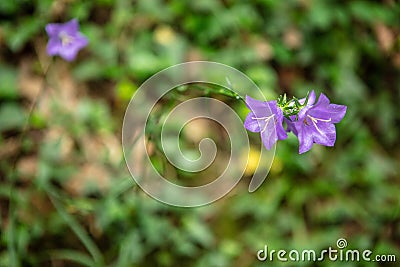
point(65, 39)
point(310, 122)
point(315, 123)
point(266, 118)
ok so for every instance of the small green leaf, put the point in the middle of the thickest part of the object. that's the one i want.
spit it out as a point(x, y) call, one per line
point(8, 82)
point(12, 116)
point(125, 90)
point(18, 35)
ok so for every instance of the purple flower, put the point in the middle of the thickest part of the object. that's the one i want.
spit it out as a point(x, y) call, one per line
point(265, 118)
point(315, 123)
point(65, 39)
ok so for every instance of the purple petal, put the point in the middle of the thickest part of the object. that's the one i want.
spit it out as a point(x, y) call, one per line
point(269, 136)
point(71, 27)
point(257, 106)
point(334, 113)
point(273, 107)
point(337, 112)
point(305, 140)
point(311, 98)
point(52, 29)
point(68, 53)
point(80, 41)
point(273, 131)
point(324, 110)
point(259, 109)
point(278, 120)
point(278, 124)
point(53, 46)
point(325, 134)
point(251, 124)
point(290, 125)
point(323, 100)
point(303, 112)
point(267, 118)
point(282, 135)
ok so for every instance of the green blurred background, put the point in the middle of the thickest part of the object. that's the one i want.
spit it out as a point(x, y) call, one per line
point(71, 200)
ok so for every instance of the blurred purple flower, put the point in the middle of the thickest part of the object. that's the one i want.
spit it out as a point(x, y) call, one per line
point(265, 117)
point(65, 39)
point(315, 123)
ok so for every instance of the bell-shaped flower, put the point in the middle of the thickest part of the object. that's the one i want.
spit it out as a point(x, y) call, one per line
point(65, 39)
point(315, 123)
point(266, 118)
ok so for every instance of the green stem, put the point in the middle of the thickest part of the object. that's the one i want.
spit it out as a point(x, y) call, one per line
point(11, 246)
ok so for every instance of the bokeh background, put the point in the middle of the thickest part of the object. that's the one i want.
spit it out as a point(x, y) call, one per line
point(66, 197)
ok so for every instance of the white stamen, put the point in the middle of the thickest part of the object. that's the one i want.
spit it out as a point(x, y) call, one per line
point(315, 121)
point(266, 119)
point(65, 38)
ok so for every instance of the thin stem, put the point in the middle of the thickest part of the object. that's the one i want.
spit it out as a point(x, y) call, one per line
point(222, 91)
point(13, 173)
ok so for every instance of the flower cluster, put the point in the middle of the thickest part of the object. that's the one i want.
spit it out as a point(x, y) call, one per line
point(311, 122)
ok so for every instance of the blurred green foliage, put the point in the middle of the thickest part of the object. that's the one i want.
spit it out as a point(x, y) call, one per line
point(72, 201)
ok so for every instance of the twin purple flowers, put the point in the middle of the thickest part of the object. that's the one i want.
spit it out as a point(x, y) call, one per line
point(311, 123)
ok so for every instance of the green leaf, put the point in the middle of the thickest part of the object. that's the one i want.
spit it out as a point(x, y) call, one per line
point(88, 70)
point(198, 231)
point(12, 116)
point(76, 227)
point(8, 82)
point(18, 35)
point(125, 90)
point(72, 255)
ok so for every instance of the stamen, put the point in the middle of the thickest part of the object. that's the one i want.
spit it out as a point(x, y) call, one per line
point(65, 38)
point(315, 121)
point(266, 119)
point(262, 118)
